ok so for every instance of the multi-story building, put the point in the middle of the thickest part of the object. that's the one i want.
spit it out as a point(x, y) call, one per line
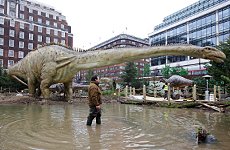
point(25, 24)
point(115, 71)
point(206, 22)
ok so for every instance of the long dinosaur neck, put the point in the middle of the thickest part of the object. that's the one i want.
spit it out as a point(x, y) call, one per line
point(116, 56)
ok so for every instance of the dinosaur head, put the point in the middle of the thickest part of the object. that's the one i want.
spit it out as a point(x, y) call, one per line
point(214, 54)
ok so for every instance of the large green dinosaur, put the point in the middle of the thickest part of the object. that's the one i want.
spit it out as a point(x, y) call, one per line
point(56, 64)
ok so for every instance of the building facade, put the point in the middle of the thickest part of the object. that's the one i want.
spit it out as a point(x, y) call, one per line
point(204, 23)
point(115, 71)
point(25, 24)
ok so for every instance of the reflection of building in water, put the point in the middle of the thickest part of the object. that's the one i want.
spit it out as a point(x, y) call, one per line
point(206, 22)
point(25, 24)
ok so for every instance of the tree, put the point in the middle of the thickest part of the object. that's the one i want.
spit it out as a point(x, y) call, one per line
point(169, 71)
point(220, 71)
point(89, 75)
point(146, 73)
point(129, 75)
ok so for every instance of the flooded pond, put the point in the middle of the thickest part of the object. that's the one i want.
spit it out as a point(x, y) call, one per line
point(48, 127)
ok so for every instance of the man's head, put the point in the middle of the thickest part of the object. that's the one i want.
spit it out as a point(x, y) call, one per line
point(95, 78)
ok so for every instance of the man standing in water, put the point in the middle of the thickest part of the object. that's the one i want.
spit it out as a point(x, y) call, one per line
point(94, 101)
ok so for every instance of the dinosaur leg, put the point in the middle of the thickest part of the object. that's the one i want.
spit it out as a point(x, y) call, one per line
point(31, 87)
point(45, 84)
point(68, 91)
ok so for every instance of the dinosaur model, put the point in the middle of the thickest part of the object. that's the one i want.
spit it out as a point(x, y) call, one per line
point(57, 64)
point(178, 81)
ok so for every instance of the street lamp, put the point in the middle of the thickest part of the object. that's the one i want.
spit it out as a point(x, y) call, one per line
point(207, 77)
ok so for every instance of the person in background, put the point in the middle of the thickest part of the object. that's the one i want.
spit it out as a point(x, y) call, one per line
point(165, 88)
point(94, 101)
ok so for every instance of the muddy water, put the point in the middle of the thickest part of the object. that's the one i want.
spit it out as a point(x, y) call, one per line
point(58, 127)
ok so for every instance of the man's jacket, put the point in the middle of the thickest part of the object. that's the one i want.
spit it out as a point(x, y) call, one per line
point(94, 95)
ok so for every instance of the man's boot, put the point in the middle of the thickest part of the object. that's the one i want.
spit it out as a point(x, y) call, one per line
point(89, 120)
point(98, 119)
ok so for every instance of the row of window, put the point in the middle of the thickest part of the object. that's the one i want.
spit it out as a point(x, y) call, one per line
point(11, 53)
point(30, 45)
point(10, 63)
point(22, 34)
point(31, 27)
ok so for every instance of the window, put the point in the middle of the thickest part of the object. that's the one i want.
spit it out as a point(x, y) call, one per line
point(12, 23)
point(1, 52)
point(31, 36)
point(12, 14)
point(1, 20)
point(55, 24)
point(20, 54)
point(63, 34)
point(21, 44)
point(10, 63)
point(1, 62)
point(31, 18)
point(47, 31)
point(1, 41)
point(11, 43)
point(1, 31)
point(31, 27)
point(47, 22)
point(55, 40)
point(22, 7)
point(47, 15)
point(11, 53)
point(2, 2)
point(21, 35)
point(63, 42)
point(39, 29)
point(21, 16)
point(39, 20)
point(47, 39)
point(55, 32)
point(30, 10)
point(30, 46)
point(39, 38)
point(1, 10)
point(62, 26)
point(39, 13)
point(21, 25)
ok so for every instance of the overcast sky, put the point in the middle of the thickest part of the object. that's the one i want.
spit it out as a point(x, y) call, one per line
point(94, 21)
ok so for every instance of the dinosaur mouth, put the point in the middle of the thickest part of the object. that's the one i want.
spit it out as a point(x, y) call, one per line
point(218, 59)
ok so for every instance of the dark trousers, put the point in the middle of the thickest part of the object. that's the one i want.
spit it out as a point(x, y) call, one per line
point(94, 112)
point(166, 95)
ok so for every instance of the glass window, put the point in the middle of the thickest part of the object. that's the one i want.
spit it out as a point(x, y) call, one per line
point(1, 52)
point(21, 25)
point(1, 41)
point(39, 29)
point(31, 36)
point(55, 40)
point(1, 20)
point(21, 16)
point(62, 26)
point(39, 38)
point(55, 32)
point(47, 39)
point(30, 10)
point(39, 20)
point(20, 54)
point(47, 31)
point(63, 35)
point(22, 7)
point(31, 27)
point(11, 43)
point(1, 31)
point(1, 10)
point(12, 23)
point(2, 2)
point(21, 44)
point(10, 63)
point(226, 26)
point(47, 22)
point(225, 13)
point(39, 12)
point(221, 27)
point(1, 62)
point(30, 46)
point(55, 24)
point(21, 35)
point(11, 53)
point(31, 18)
point(63, 42)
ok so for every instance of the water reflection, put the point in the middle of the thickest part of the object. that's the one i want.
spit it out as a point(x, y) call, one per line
point(123, 127)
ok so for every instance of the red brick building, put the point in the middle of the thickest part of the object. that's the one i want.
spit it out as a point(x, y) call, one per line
point(25, 24)
point(115, 71)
